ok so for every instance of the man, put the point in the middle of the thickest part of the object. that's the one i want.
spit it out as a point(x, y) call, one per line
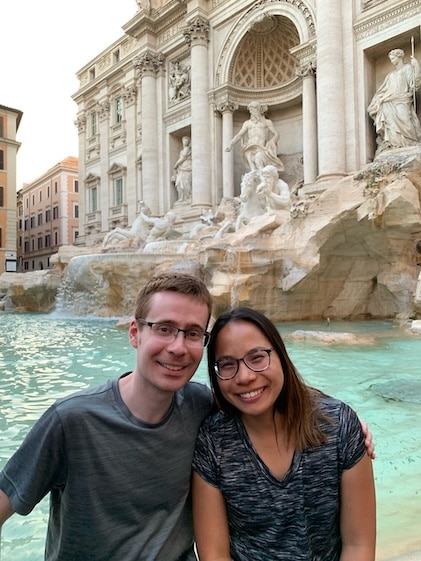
point(116, 459)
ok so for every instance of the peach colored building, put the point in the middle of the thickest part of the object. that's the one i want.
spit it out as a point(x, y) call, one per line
point(9, 124)
point(47, 215)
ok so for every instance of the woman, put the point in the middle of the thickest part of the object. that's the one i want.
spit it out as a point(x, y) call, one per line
point(280, 472)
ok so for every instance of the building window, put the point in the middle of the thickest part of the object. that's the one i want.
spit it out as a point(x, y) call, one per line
point(118, 191)
point(47, 240)
point(116, 56)
point(93, 124)
point(55, 212)
point(26, 224)
point(55, 238)
point(40, 196)
point(1, 159)
point(48, 191)
point(32, 221)
point(55, 187)
point(1, 127)
point(1, 196)
point(76, 211)
point(39, 243)
point(39, 219)
point(118, 110)
point(93, 202)
point(27, 203)
point(33, 200)
point(26, 246)
point(76, 186)
point(47, 215)
point(32, 244)
point(1, 238)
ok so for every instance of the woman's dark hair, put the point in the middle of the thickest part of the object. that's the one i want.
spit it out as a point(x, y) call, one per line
point(296, 402)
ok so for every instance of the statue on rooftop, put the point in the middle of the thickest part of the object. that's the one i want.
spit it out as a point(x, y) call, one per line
point(393, 105)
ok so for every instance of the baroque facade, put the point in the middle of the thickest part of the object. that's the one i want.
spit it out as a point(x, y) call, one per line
point(187, 68)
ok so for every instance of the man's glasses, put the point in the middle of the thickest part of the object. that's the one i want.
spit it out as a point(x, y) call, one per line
point(227, 367)
point(194, 337)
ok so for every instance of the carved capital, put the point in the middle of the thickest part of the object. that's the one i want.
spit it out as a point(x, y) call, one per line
point(149, 63)
point(129, 95)
point(103, 110)
point(227, 106)
point(81, 123)
point(197, 32)
point(306, 69)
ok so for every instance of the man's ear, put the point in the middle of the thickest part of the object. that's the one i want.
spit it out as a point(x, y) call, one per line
point(134, 333)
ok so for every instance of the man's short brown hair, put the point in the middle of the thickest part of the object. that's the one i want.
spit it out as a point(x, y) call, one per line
point(180, 283)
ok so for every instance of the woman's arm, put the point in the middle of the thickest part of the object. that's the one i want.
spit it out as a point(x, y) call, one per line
point(358, 512)
point(210, 521)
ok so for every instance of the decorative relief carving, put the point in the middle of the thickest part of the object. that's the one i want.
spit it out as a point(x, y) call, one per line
point(179, 80)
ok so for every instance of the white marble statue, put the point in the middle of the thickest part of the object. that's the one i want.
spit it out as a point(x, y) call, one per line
point(138, 232)
point(258, 139)
point(252, 204)
point(163, 228)
point(393, 105)
point(274, 189)
point(183, 172)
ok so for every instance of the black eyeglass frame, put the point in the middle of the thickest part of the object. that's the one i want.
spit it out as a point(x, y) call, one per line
point(205, 336)
point(238, 360)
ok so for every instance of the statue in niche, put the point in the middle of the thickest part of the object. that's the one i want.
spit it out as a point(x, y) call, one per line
point(252, 204)
point(393, 105)
point(138, 232)
point(275, 190)
point(179, 81)
point(183, 172)
point(258, 140)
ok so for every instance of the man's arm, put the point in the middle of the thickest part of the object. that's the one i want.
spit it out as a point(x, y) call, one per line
point(6, 511)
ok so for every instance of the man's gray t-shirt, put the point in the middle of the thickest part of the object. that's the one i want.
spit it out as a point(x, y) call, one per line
point(293, 518)
point(119, 487)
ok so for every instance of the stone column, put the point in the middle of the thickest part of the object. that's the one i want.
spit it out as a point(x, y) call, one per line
point(307, 72)
point(196, 35)
point(227, 108)
point(148, 65)
point(130, 97)
point(330, 89)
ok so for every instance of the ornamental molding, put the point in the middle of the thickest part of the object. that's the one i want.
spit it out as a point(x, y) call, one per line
point(371, 25)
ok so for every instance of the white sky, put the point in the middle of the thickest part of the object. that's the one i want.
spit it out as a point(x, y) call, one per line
point(44, 44)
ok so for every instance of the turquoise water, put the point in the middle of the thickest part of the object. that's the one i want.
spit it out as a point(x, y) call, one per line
point(43, 358)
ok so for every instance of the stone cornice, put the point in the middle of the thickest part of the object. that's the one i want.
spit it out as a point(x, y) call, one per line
point(372, 23)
